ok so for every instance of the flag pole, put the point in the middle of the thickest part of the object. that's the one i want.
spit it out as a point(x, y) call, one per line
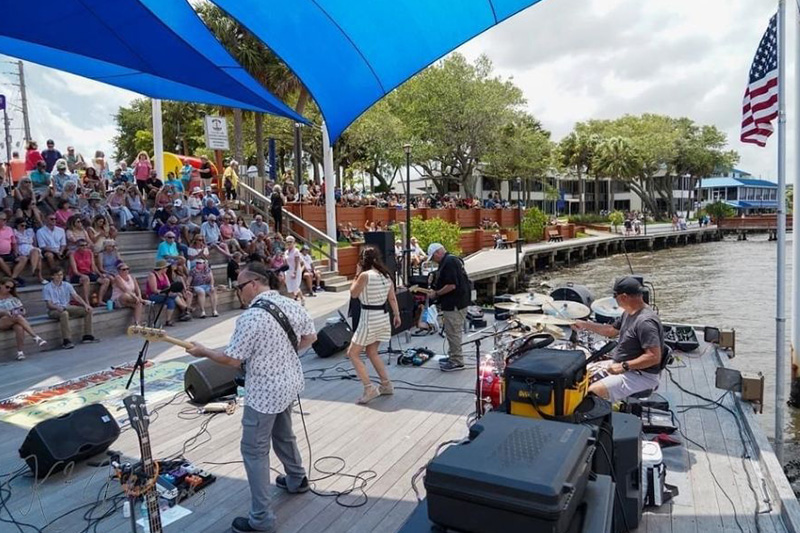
point(794, 395)
point(780, 305)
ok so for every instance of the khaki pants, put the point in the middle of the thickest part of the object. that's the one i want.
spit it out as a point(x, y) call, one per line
point(454, 330)
point(64, 316)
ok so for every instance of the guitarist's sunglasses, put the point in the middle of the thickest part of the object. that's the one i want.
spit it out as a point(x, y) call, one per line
point(240, 286)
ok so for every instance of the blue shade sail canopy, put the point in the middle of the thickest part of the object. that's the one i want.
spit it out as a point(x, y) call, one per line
point(159, 48)
point(350, 53)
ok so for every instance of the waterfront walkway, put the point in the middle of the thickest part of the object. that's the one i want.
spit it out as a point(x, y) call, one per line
point(489, 265)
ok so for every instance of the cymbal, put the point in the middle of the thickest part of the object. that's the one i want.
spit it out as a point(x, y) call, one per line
point(544, 320)
point(515, 307)
point(566, 309)
point(607, 307)
point(532, 298)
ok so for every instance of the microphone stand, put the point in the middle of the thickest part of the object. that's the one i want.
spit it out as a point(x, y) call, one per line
point(141, 359)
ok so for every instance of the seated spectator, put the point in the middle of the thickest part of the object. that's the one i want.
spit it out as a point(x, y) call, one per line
point(40, 180)
point(418, 256)
point(29, 254)
point(12, 316)
point(258, 226)
point(197, 250)
point(57, 295)
point(70, 194)
point(195, 204)
point(108, 260)
point(168, 249)
point(62, 176)
point(201, 280)
point(184, 219)
point(117, 205)
point(277, 244)
point(63, 213)
point(99, 231)
point(261, 247)
point(232, 273)
point(311, 276)
point(174, 182)
point(227, 233)
point(398, 250)
point(211, 233)
point(94, 208)
point(125, 292)
point(6, 201)
point(52, 241)
point(83, 270)
point(23, 192)
point(137, 207)
point(209, 209)
point(209, 195)
point(75, 232)
point(243, 235)
point(152, 185)
point(157, 291)
point(163, 198)
point(93, 183)
point(8, 247)
point(118, 179)
point(172, 226)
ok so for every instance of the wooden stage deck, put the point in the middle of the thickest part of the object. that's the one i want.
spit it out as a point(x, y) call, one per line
point(393, 437)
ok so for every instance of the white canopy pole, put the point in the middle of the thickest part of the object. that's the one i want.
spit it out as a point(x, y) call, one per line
point(330, 184)
point(158, 139)
point(780, 297)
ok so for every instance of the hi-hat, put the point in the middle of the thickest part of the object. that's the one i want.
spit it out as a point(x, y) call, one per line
point(532, 298)
point(544, 320)
point(515, 307)
point(607, 307)
point(566, 309)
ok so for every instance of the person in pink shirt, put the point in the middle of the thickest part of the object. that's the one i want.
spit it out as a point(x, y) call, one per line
point(141, 171)
point(84, 271)
point(8, 246)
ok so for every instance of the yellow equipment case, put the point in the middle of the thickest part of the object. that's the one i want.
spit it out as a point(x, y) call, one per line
point(546, 382)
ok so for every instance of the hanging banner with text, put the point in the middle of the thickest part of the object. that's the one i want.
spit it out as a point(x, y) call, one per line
point(216, 129)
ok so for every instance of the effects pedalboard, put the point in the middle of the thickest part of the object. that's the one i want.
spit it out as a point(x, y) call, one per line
point(178, 480)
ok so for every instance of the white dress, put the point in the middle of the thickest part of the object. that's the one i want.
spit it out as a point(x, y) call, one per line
point(373, 325)
point(293, 284)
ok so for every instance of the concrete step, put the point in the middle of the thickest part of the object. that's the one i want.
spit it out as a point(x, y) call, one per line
point(106, 325)
point(327, 274)
point(334, 279)
point(338, 286)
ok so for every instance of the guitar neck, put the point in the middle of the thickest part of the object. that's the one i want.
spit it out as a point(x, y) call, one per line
point(151, 496)
point(177, 342)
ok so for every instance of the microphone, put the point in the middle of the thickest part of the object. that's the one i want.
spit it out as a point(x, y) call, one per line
point(175, 286)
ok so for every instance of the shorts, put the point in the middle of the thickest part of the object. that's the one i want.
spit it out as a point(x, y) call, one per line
point(167, 300)
point(207, 289)
point(621, 386)
point(76, 278)
point(8, 258)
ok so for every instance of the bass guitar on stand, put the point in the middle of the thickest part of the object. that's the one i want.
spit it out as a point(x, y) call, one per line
point(144, 486)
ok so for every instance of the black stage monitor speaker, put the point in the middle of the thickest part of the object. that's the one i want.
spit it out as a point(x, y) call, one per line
point(627, 435)
point(384, 242)
point(405, 304)
point(205, 380)
point(332, 339)
point(53, 444)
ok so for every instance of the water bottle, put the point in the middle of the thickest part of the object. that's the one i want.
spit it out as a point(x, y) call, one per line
point(240, 395)
point(110, 305)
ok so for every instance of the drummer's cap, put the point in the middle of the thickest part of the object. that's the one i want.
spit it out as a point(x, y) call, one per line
point(628, 285)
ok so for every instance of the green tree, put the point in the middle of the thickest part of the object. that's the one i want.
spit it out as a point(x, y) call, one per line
point(434, 230)
point(533, 224)
point(719, 210)
point(453, 112)
point(575, 153)
point(616, 159)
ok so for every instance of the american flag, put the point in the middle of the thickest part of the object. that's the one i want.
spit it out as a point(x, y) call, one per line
point(760, 105)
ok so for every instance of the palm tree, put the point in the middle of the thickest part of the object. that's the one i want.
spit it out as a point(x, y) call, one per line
point(576, 151)
point(616, 159)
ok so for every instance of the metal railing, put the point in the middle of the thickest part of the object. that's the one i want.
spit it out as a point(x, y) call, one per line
point(253, 198)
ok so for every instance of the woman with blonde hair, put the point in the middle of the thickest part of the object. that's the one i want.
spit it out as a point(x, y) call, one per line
point(141, 171)
point(12, 316)
point(127, 293)
point(374, 288)
point(138, 207)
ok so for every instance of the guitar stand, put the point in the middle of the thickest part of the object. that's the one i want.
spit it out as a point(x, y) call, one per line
point(141, 359)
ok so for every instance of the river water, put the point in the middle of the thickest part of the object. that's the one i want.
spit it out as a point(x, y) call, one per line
point(729, 284)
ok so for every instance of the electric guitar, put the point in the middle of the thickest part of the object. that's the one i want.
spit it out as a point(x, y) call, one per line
point(140, 422)
point(156, 335)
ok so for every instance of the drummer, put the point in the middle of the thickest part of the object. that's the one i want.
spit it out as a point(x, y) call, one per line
point(636, 361)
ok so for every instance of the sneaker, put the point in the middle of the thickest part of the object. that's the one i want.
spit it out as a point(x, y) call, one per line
point(185, 317)
point(86, 339)
point(39, 341)
point(242, 525)
point(280, 482)
point(370, 393)
point(214, 314)
point(67, 344)
point(20, 356)
point(20, 282)
point(450, 366)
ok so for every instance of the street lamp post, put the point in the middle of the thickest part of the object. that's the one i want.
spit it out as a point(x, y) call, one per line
point(407, 252)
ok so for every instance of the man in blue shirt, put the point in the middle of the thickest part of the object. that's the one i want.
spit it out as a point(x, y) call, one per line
point(51, 155)
point(58, 295)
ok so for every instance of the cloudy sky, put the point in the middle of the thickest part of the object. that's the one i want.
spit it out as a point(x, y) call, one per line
point(574, 60)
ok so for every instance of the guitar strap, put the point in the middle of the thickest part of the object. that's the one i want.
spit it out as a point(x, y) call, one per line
point(280, 317)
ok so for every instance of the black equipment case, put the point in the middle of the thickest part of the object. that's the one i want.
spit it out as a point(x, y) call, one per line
point(515, 474)
point(546, 382)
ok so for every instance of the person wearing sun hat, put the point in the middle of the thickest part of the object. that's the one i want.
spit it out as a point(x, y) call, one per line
point(157, 291)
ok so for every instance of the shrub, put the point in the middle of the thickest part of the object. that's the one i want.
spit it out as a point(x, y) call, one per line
point(719, 210)
point(616, 218)
point(433, 230)
point(533, 224)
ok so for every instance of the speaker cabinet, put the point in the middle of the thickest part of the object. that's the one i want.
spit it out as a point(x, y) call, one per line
point(405, 304)
point(53, 444)
point(332, 339)
point(384, 242)
point(205, 380)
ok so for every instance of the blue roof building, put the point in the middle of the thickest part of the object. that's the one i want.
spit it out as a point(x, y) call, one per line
point(741, 191)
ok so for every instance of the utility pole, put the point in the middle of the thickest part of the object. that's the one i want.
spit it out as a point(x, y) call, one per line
point(24, 97)
point(8, 133)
